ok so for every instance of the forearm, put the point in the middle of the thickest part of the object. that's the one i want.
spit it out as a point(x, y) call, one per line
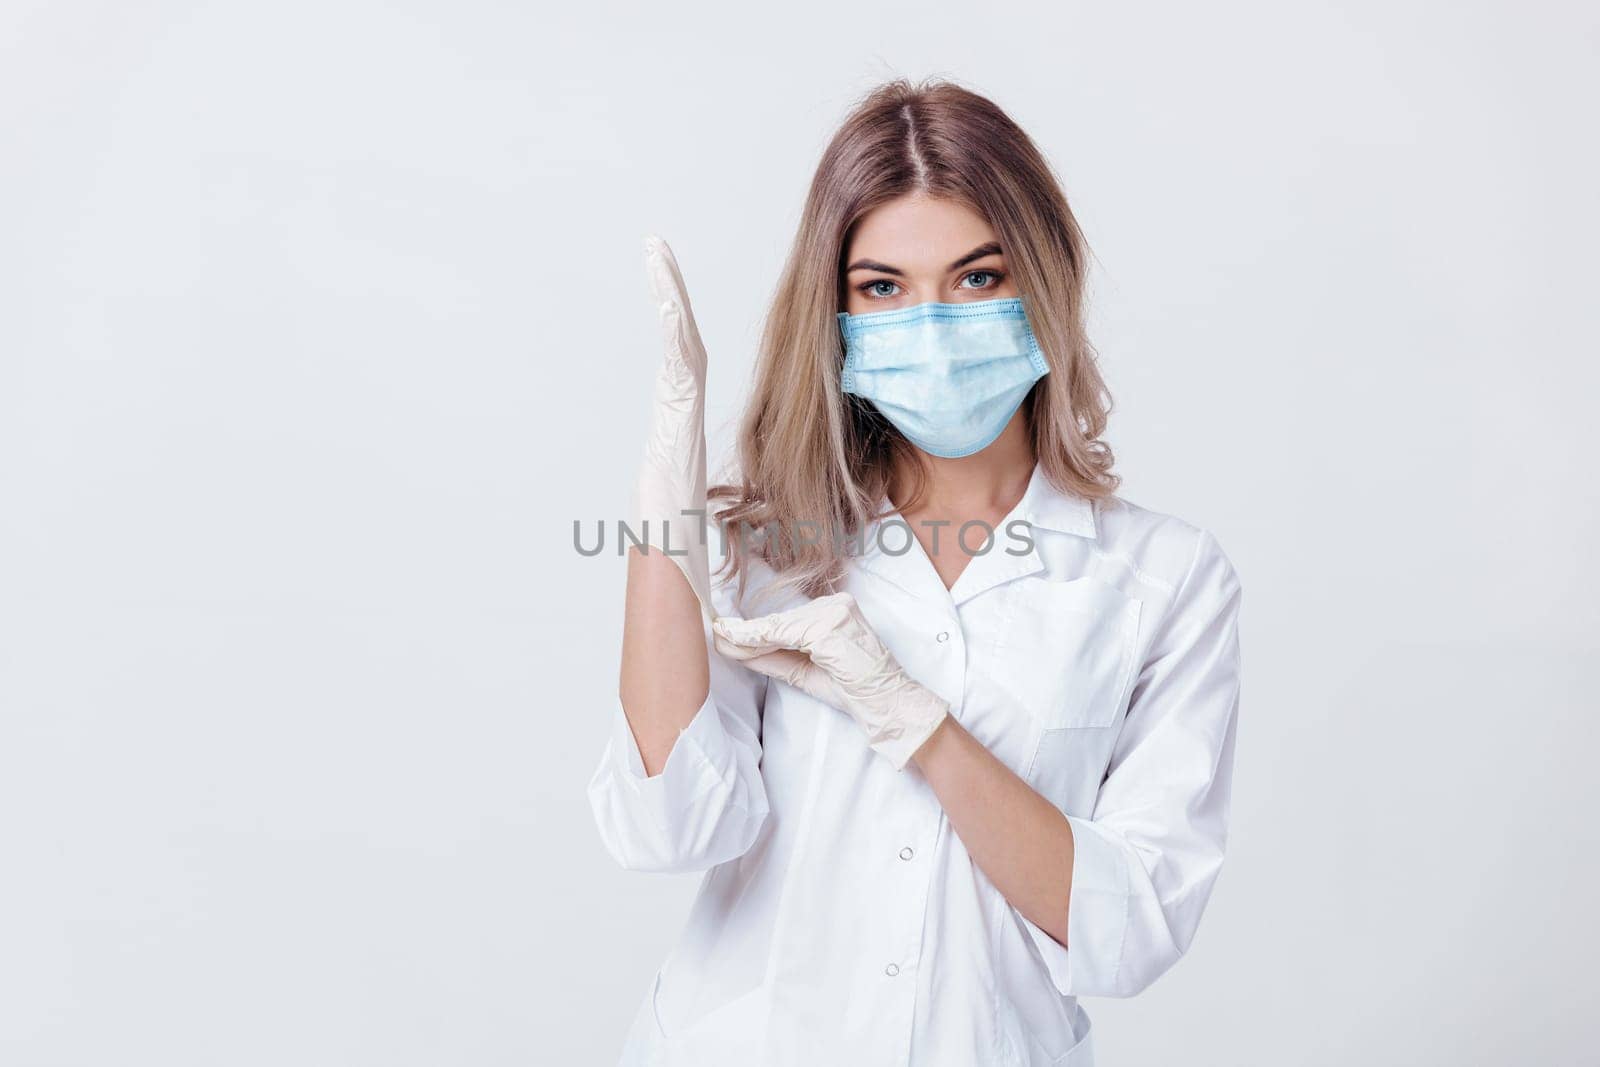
point(1020, 841)
point(665, 678)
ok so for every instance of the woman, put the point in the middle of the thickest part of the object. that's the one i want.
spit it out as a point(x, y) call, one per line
point(952, 731)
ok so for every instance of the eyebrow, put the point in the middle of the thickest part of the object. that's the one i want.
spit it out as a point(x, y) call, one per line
point(990, 249)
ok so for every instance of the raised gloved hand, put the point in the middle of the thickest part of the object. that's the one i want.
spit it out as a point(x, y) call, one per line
point(672, 478)
point(827, 649)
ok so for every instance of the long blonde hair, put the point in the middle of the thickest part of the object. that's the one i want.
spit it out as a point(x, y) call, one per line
point(810, 454)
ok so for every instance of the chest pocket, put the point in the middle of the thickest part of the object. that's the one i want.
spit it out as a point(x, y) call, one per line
point(1068, 651)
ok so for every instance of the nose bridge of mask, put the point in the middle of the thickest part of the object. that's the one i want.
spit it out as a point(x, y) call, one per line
point(935, 312)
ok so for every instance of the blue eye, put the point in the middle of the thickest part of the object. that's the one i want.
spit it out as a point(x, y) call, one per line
point(996, 275)
point(871, 288)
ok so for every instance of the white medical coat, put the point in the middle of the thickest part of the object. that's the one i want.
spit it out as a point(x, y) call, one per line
point(839, 920)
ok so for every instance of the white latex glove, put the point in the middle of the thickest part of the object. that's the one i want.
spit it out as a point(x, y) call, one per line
point(827, 649)
point(672, 478)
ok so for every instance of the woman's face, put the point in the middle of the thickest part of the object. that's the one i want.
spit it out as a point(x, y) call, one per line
point(917, 249)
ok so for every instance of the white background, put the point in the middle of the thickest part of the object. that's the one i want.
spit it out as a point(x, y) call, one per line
point(321, 323)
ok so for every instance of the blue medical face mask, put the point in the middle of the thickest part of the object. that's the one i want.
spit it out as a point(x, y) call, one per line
point(948, 376)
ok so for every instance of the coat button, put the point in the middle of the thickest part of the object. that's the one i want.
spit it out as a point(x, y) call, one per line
point(944, 635)
point(892, 970)
point(906, 853)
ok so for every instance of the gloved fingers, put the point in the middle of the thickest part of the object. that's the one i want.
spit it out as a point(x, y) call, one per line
point(679, 330)
point(797, 669)
point(766, 633)
point(734, 650)
point(827, 628)
point(785, 664)
point(800, 627)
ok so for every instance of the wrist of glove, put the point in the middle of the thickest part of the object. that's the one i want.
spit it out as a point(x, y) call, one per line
point(827, 649)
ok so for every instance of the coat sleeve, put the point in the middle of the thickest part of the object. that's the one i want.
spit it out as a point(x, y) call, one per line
point(708, 802)
point(1145, 863)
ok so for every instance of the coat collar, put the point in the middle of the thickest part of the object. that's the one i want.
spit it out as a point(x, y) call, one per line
point(890, 549)
point(1047, 507)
